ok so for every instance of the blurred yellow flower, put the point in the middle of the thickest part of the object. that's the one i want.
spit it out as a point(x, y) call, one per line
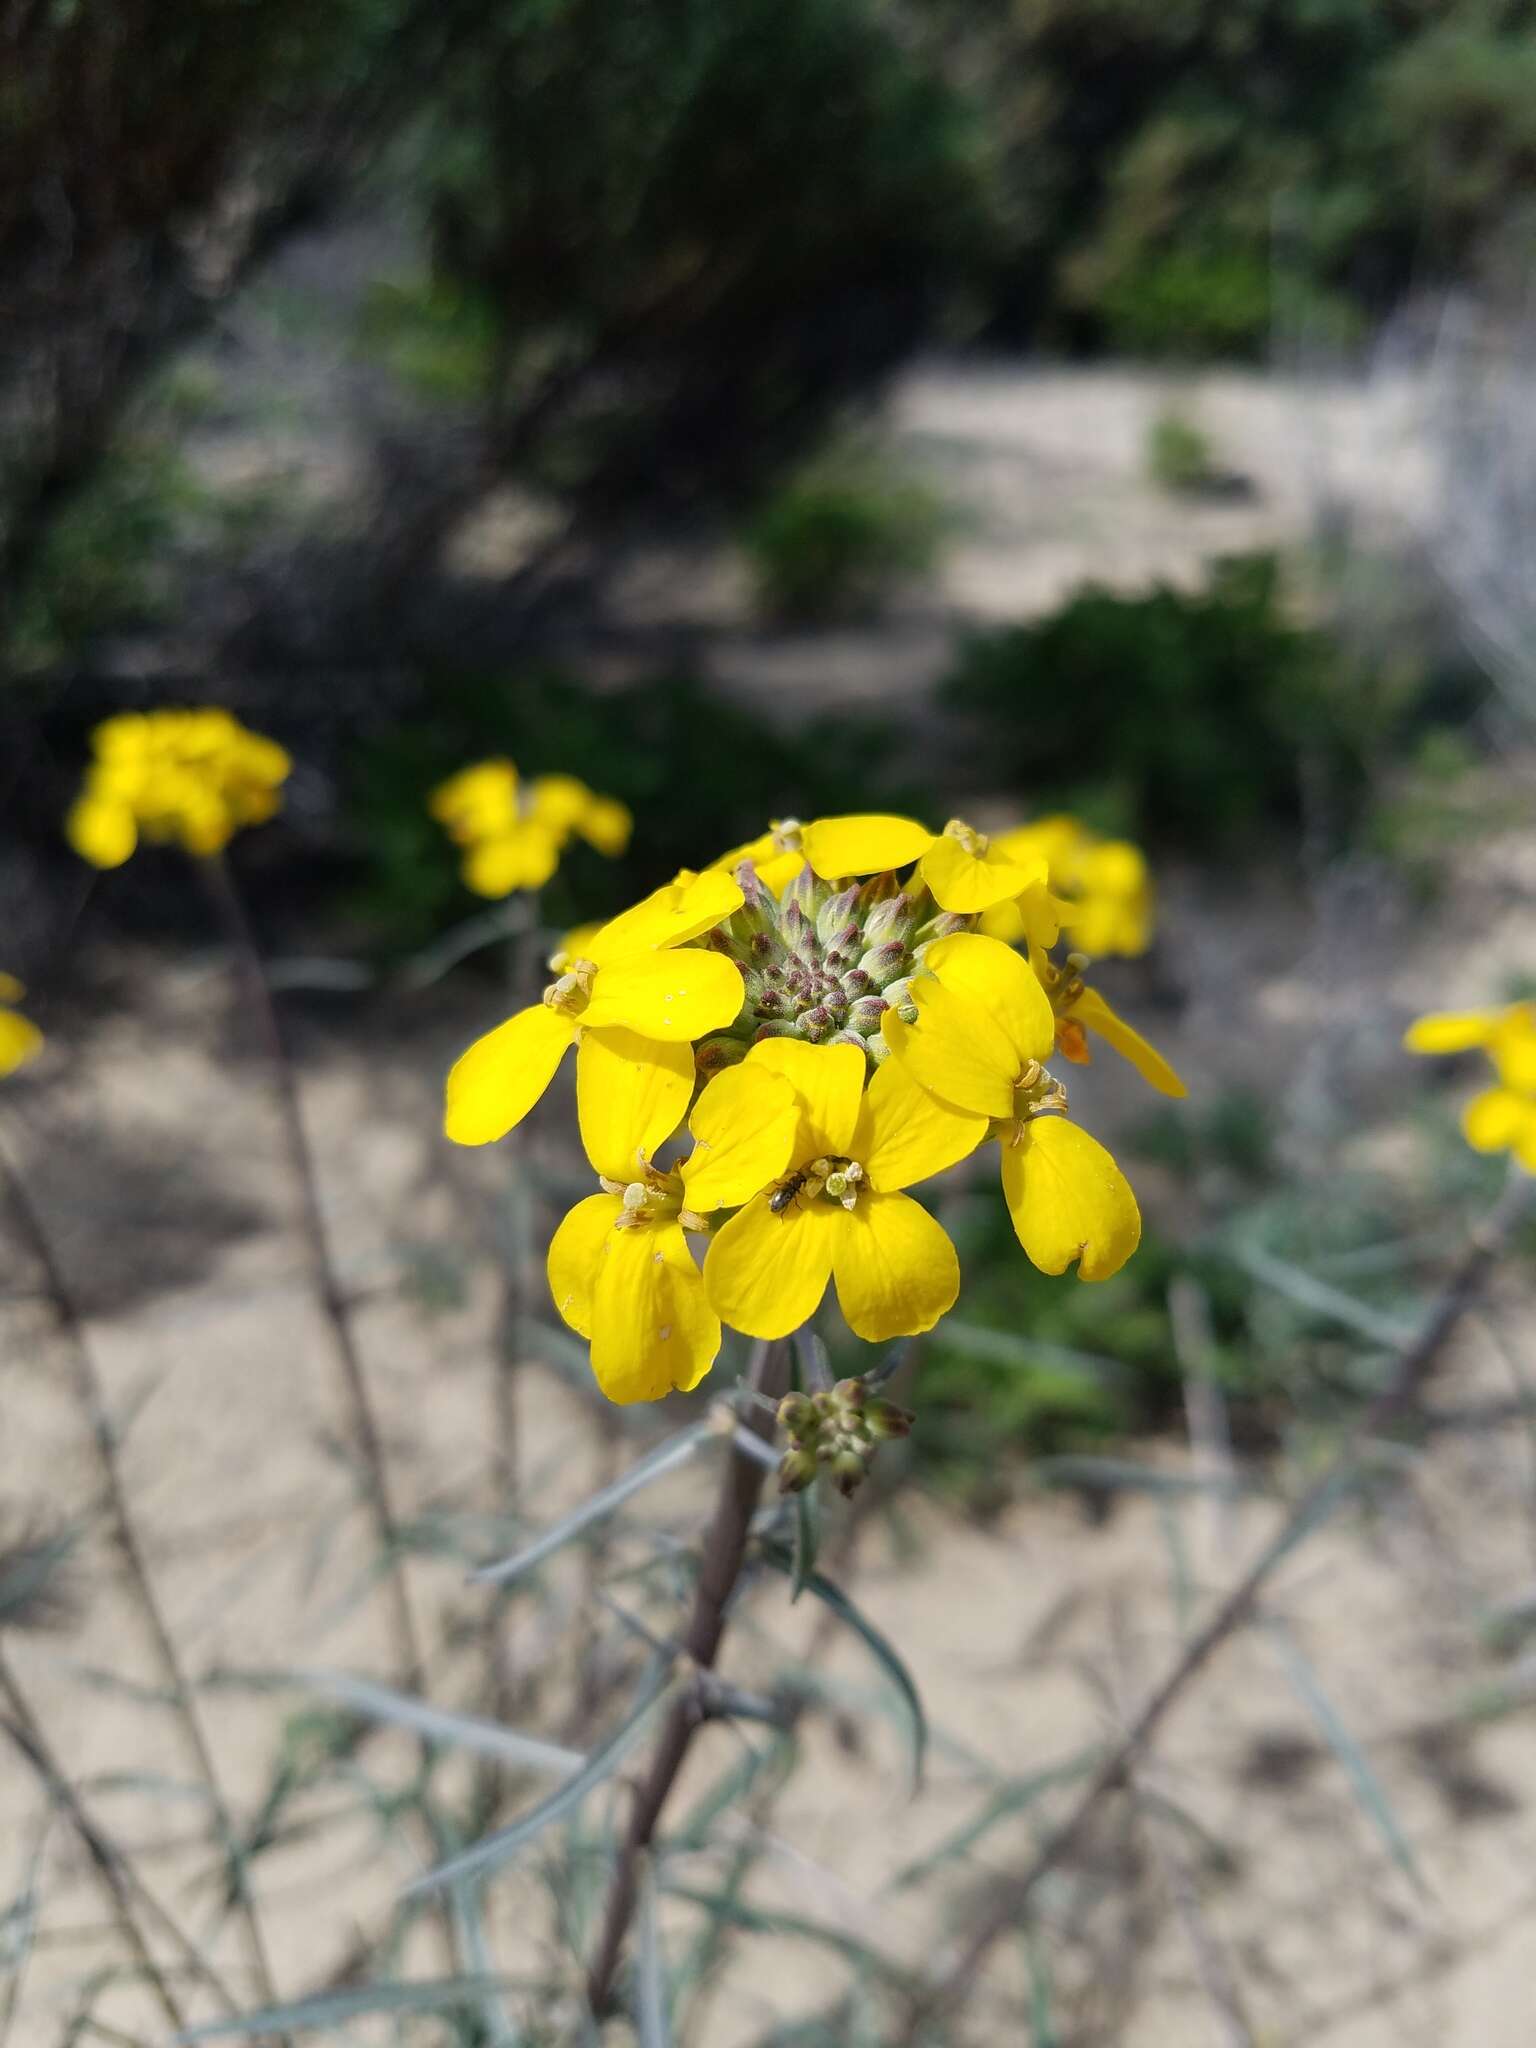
point(1080, 1009)
point(619, 1267)
point(980, 1028)
point(19, 1036)
point(632, 1003)
point(834, 1209)
point(1100, 890)
point(1501, 1118)
point(513, 833)
point(192, 778)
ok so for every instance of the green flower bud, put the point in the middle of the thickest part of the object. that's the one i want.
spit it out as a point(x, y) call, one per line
point(848, 1473)
point(712, 1055)
point(797, 1415)
point(884, 963)
point(837, 914)
point(892, 919)
point(885, 1421)
point(796, 1471)
point(864, 1016)
point(849, 1394)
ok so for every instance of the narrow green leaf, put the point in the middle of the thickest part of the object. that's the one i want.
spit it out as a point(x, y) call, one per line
point(758, 1920)
point(1042, 2025)
point(666, 1457)
point(837, 1601)
point(1308, 1292)
point(1122, 1475)
point(498, 1848)
point(1368, 1788)
point(334, 2008)
point(464, 1731)
point(651, 2022)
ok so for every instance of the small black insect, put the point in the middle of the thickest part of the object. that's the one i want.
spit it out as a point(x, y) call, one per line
point(787, 1191)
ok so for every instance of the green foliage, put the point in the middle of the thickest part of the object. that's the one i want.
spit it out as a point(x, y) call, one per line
point(832, 542)
point(1191, 713)
point(658, 744)
point(438, 338)
point(1179, 455)
point(702, 228)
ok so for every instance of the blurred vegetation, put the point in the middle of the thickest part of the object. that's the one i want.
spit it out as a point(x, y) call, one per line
point(836, 539)
point(1191, 718)
point(1179, 454)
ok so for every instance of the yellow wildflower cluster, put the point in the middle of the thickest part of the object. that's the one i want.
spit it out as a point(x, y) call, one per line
point(819, 1020)
point(513, 834)
point(1100, 889)
point(1501, 1118)
point(19, 1037)
point(192, 778)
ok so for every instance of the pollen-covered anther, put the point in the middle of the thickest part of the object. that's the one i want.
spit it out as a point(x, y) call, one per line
point(573, 991)
point(842, 1183)
point(974, 842)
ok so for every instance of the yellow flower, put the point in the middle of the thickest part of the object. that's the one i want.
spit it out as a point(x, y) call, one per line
point(1099, 890)
point(834, 1208)
point(1501, 1118)
point(982, 1028)
point(632, 1003)
point(19, 1037)
point(189, 777)
point(967, 872)
point(1080, 1009)
point(513, 835)
point(620, 1269)
point(833, 848)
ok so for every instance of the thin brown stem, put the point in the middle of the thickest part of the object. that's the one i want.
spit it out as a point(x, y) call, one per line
point(91, 1397)
point(120, 1888)
point(725, 1549)
point(327, 1288)
point(1414, 1363)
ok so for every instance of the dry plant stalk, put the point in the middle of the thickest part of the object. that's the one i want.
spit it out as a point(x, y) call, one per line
point(91, 1398)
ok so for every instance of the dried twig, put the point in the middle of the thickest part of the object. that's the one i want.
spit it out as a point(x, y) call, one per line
point(724, 1551)
point(122, 1889)
point(1414, 1363)
point(91, 1397)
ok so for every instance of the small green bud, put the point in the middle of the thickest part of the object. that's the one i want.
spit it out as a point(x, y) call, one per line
point(836, 915)
point(797, 1415)
point(864, 1016)
point(892, 919)
point(898, 997)
point(713, 1055)
point(849, 1393)
point(883, 964)
point(796, 1471)
point(848, 1473)
point(885, 1421)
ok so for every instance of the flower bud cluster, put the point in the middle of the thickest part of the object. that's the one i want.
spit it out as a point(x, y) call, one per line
point(824, 961)
point(839, 1431)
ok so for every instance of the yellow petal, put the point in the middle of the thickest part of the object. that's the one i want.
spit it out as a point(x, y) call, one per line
point(828, 1081)
point(631, 1095)
point(677, 994)
point(1069, 1200)
point(19, 1040)
point(993, 978)
point(1514, 1050)
point(1495, 1120)
point(1091, 1010)
point(1452, 1030)
point(559, 802)
point(905, 1134)
point(523, 858)
point(954, 1051)
point(744, 1127)
point(652, 1326)
point(968, 882)
point(576, 1256)
point(101, 831)
point(896, 1270)
point(669, 916)
point(495, 1084)
point(481, 797)
point(11, 990)
point(607, 825)
point(862, 845)
point(766, 1274)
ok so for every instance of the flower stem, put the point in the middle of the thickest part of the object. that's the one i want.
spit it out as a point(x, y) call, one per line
point(724, 1552)
point(327, 1288)
point(91, 1397)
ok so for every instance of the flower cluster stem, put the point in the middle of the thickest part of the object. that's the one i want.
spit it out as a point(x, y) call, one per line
point(724, 1552)
point(327, 1288)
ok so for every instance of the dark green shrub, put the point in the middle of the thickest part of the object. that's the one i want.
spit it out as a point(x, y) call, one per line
point(1178, 454)
point(829, 546)
point(1190, 713)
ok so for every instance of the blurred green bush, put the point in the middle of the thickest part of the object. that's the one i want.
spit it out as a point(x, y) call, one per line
point(1179, 454)
point(834, 541)
point(1190, 718)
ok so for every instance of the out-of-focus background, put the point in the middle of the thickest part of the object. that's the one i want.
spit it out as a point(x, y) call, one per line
point(765, 408)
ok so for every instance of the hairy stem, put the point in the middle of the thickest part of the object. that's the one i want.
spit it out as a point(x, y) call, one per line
point(1414, 1363)
point(327, 1288)
point(725, 1549)
point(91, 1398)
